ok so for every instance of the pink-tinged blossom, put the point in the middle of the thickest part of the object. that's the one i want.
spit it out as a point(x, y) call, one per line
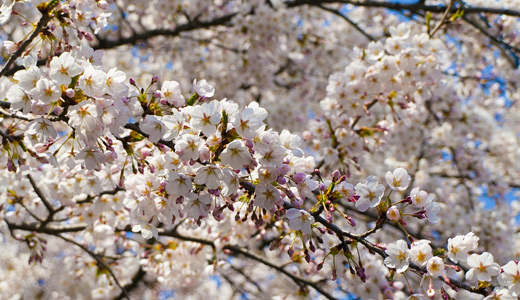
point(501, 294)
point(93, 82)
point(178, 184)
point(83, 114)
point(63, 68)
point(266, 196)
point(147, 230)
point(42, 129)
point(154, 127)
point(206, 117)
point(198, 205)
point(203, 88)
point(482, 266)
point(47, 91)
point(209, 175)
point(92, 157)
point(435, 266)
point(174, 124)
point(393, 213)
point(346, 190)
point(398, 180)
point(459, 246)
point(231, 183)
point(432, 211)
point(300, 219)
point(188, 147)
point(420, 198)
point(115, 82)
point(19, 98)
point(236, 155)
point(171, 93)
point(398, 256)
point(28, 78)
point(510, 277)
point(370, 193)
point(250, 120)
point(421, 252)
point(307, 186)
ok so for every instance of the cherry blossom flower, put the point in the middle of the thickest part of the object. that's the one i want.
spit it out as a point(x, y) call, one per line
point(203, 88)
point(19, 98)
point(46, 91)
point(393, 213)
point(435, 266)
point(420, 198)
point(398, 180)
point(370, 193)
point(147, 230)
point(482, 266)
point(205, 117)
point(154, 127)
point(42, 129)
point(300, 220)
point(250, 120)
point(171, 93)
point(178, 184)
point(398, 256)
point(236, 155)
point(63, 68)
point(209, 175)
point(421, 252)
point(188, 147)
point(93, 82)
point(266, 196)
point(459, 246)
point(510, 277)
point(500, 294)
point(92, 157)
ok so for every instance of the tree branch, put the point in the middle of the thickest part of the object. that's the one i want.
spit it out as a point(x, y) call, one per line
point(413, 7)
point(46, 17)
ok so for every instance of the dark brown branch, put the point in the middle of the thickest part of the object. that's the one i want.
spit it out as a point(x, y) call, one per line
point(344, 17)
point(413, 7)
point(100, 263)
point(46, 17)
point(132, 285)
point(194, 25)
point(44, 199)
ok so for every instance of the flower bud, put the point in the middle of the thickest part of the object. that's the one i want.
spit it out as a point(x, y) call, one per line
point(70, 93)
point(299, 178)
point(102, 4)
point(393, 213)
point(158, 94)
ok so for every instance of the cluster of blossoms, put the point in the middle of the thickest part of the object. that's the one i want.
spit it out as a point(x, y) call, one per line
point(117, 182)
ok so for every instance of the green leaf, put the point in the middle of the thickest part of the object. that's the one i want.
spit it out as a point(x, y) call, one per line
point(457, 15)
point(192, 99)
point(428, 20)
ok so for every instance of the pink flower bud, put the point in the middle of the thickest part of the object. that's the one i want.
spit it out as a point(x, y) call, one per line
point(40, 147)
point(70, 93)
point(393, 213)
point(102, 4)
point(307, 135)
point(58, 110)
point(89, 37)
point(10, 46)
point(283, 169)
point(336, 175)
point(299, 178)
